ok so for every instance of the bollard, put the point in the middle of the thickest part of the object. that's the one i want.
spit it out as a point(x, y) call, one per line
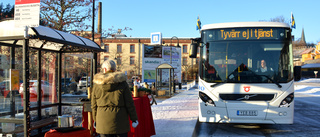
point(135, 91)
point(90, 114)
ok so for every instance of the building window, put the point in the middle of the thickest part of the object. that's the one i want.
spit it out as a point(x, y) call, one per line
point(105, 58)
point(106, 48)
point(184, 61)
point(185, 49)
point(119, 48)
point(131, 60)
point(132, 48)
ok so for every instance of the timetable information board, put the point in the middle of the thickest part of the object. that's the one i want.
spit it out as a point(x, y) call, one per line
point(27, 13)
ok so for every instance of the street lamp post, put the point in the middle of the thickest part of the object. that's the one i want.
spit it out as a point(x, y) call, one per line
point(174, 84)
point(117, 57)
point(139, 56)
point(171, 48)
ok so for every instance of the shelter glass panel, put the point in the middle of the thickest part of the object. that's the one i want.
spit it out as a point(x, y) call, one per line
point(75, 79)
point(10, 81)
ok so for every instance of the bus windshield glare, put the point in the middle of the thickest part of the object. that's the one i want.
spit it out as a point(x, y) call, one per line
point(246, 55)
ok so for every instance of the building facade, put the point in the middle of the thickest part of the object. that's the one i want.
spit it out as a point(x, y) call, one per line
point(311, 55)
point(127, 53)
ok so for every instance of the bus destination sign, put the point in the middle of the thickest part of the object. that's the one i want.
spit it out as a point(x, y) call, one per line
point(245, 34)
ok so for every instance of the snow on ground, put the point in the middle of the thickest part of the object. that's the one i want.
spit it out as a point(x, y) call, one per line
point(304, 89)
point(311, 80)
point(176, 116)
point(313, 90)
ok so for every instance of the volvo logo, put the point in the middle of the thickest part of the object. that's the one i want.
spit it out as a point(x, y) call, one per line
point(247, 97)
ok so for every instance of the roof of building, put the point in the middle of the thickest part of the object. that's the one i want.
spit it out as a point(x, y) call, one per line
point(307, 51)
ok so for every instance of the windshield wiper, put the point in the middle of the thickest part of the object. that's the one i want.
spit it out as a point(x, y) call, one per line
point(267, 78)
point(215, 84)
point(272, 80)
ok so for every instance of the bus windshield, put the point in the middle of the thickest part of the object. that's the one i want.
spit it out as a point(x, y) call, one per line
point(246, 61)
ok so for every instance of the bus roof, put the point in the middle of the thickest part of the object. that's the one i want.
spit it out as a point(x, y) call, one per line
point(244, 24)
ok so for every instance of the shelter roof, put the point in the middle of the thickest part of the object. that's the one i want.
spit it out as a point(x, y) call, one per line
point(164, 66)
point(45, 38)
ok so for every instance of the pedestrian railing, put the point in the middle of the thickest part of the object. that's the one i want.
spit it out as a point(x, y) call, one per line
point(191, 84)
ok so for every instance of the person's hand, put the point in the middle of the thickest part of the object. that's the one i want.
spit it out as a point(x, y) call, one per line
point(135, 124)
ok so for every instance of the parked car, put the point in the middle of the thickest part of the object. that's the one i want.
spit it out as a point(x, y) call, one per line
point(83, 82)
point(33, 85)
point(68, 85)
point(5, 88)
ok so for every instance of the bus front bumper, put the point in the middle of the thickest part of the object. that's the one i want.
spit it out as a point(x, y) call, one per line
point(263, 114)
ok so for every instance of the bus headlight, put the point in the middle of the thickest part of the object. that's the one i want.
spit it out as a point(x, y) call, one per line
point(205, 98)
point(287, 100)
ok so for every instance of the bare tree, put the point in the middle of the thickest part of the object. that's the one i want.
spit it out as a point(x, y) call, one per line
point(66, 14)
point(278, 19)
point(111, 31)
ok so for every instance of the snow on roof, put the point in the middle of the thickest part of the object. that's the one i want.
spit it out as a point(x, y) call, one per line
point(316, 65)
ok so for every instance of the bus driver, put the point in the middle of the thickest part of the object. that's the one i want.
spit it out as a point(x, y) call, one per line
point(264, 70)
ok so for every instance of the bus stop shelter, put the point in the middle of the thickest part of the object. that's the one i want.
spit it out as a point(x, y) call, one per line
point(165, 79)
point(35, 41)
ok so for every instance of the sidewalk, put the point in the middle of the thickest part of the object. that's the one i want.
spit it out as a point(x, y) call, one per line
point(176, 116)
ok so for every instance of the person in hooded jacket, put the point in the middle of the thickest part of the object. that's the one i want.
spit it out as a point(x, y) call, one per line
point(111, 102)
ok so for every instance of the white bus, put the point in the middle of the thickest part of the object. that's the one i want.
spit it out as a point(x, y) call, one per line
point(245, 73)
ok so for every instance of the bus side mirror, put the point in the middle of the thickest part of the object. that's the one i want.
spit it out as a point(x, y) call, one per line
point(193, 50)
point(297, 73)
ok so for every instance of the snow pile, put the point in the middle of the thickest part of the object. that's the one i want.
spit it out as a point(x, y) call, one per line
point(313, 90)
point(311, 80)
point(303, 89)
point(176, 116)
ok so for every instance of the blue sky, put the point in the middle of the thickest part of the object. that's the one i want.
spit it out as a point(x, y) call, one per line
point(178, 17)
